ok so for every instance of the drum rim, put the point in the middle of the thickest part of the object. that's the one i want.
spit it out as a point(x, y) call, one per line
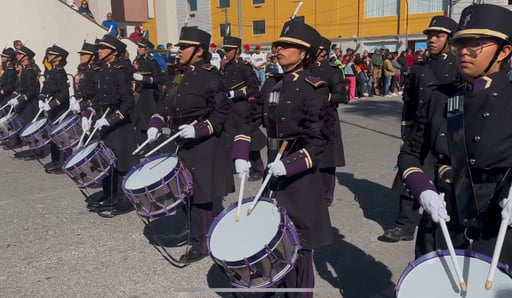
point(152, 186)
point(261, 253)
point(84, 160)
point(15, 132)
point(30, 124)
point(443, 253)
point(64, 126)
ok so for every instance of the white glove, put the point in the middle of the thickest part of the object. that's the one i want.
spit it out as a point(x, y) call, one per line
point(74, 106)
point(13, 102)
point(434, 204)
point(44, 106)
point(277, 168)
point(137, 76)
point(86, 124)
point(242, 167)
point(506, 212)
point(100, 123)
point(152, 134)
point(230, 94)
point(187, 131)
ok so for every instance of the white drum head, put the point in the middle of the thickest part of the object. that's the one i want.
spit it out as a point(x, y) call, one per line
point(435, 278)
point(33, 127)
point(234, 241)
point(81, 154)
point(151, 172)
point(64, 123)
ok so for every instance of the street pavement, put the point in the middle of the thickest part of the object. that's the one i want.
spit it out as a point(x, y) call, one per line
point(52, 246)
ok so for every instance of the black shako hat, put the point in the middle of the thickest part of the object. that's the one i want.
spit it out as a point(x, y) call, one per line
point(9, 53)
point(112, 42)
point(144, 43)
point(299, 33)
point(89, 49)
point(479, 20)
point(443, 24)
point(325, 44)
point(56, 50)
point(26, 51)
point(231, 42)
point(194, 36)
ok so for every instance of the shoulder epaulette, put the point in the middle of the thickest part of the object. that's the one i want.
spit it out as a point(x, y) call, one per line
point(315, 81)
point(95, 67)
point(119, 66)
point(208, 66)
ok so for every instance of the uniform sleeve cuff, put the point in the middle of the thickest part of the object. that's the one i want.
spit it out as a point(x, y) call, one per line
point(417, 182)
point(241, 147)
point(54, 103)
point(115, 118)
point(203, 129)
point(157, 122)
point(88, 112)
point(297, 162)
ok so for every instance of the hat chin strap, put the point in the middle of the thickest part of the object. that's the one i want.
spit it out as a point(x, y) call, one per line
point(493, 60)
point(196, 48)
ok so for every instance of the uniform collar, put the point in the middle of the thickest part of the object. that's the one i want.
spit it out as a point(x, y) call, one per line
point(479, 84)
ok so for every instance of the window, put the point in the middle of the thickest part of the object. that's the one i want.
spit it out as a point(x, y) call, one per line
point(223, 3)
point(192, 5)
point(422, 6)
point(258, 27)
point(382, 8)
point(256, 2)
point(224, 29)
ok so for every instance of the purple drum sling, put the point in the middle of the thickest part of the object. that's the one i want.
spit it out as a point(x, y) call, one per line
point(258, 251)
point(67, 133)
point(158, 186)
point(89, 165)
point(431, 275)
point(36, 136)
point(10, 126)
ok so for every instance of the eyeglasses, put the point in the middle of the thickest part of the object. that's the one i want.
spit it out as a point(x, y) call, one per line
point(103, 47)
point(474, 46)
point(186, 46)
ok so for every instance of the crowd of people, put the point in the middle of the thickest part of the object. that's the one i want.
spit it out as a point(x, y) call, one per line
point(225, 106)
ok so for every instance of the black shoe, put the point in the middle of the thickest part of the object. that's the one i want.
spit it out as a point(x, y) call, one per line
point(254, 175)
point(56, 168)
point(397, 234)
point(51, 164)
point(24, 154)
point(102, 203)
point(192, 255)
point(117, 209)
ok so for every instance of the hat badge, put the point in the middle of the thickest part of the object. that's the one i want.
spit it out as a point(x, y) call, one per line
point(434, 22)
point(286, 30)
point(467, 19)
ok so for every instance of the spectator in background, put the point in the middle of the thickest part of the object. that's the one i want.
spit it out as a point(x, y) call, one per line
point(389, 72)
point(273, 66)
point(376, 70)
point(71, 3)
point(259, 61)
point(409, 58)
point(395, 80)
point(350, 76)
point(246, 55)
point(136, 36)
point(17, 44)
point(84, 10)
point(215, 58)
point(111, 25)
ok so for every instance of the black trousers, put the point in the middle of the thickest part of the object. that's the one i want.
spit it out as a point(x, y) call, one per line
point(409, 216)
point(201, 217)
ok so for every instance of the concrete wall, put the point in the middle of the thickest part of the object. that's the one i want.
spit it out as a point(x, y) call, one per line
point(49, 22)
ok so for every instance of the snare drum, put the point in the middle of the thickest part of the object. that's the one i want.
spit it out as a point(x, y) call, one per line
point(258, 251)
point(10, 126)
point(36, 136)
point(67, 134)
point(433, 275)
point(89, 165)
point(158, 185)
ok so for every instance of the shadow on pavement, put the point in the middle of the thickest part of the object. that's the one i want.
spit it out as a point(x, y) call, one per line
point(378, 202)
point(351, 270)
point(375, 107)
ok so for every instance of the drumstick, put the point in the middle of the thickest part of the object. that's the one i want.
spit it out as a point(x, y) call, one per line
point(61, 117)
point(240, 196)
point(40, 110)
point(140, 147)
point(497, 248)
point(449, 243)
point(95, 129)
point(167, 141)
point(267, 178)
point(83, 134)
point(4, 106)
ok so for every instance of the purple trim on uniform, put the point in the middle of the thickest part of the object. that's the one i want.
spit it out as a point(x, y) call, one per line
point(330, 191)
point(77, 96)
point(147, 80)
point(202, 129)
point(206, 222)
point(114, 118)
point(42, 97)
point(156, 122)
point(22, 98)
point(295, 163)
point(447, 175)
point(308, 273)
point(289, 77)
point(418, 182)
point(241, 149)
point(239, 93)
point(84, 104)
point(86, 113)
point(53, 104)
point(479, 84)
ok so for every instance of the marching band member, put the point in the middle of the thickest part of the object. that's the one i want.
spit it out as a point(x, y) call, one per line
point(293, 110)
point(466, 128)
point(84, 81)
point(8, 76)
point(196, 105)
point(333, 156)
point(242, 85)
point(112, 92)
point(54, 100)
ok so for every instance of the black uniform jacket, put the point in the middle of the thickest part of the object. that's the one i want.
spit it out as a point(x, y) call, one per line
point(56, 89)
point(28, 85)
